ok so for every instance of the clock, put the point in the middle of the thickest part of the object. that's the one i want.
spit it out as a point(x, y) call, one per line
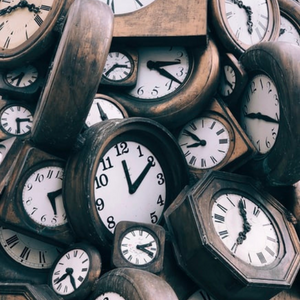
point(139, 22)
point(139, 245)
point(214, 140)
point(133, 284)
point(241, 24)
point(104, 108)
point(28, 29)
point(236, 242)
point(173, 84)
point(289, 20)
point(75, 271)
point(81, 54)
point(134, 164)
point(267, 114)
point(16, 118)
point(120, 69)
point(33, 196)
point(200, 295)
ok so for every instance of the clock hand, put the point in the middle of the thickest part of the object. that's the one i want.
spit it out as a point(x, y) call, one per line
point(21, 4)
point(18, 77)
point(103, 115)
point(282, 31)
point(115, 66)
point(260, 116)
point(63, 277)
point(142, 248)
point(192, 135)
point(133, 187)
point(226, 79)
point(52, 196)
point(246, 225)
point(159, 64)
point(202, 143)
point(248, 11)
point(72, 280)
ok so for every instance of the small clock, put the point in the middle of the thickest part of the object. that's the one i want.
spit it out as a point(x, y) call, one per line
point(75, 271)
point(139, 245)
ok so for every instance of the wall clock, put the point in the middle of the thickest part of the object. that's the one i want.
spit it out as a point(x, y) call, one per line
point(81, 54)
point(28, 29)
point(134, 160)
point(139, 245)
point(289, 21)
point(133, 284)
point(240, 232)
point(138, 22)
point(173, 84)
point(241, 24)
point(75, 271)
point(33, 196)
point(267, 113)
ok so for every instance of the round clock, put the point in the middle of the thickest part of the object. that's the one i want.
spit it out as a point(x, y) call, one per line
point(120, 7)
point(241, 24)
point(75, 271)
point(173, 83)
point(27, 28)
point(138, 245)
point(267, 113)
point(235, 234)
point(134, 164)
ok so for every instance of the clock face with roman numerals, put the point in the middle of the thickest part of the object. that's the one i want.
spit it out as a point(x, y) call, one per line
point(245, 229)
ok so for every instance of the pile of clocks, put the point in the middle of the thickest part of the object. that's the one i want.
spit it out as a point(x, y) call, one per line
point(149, 149)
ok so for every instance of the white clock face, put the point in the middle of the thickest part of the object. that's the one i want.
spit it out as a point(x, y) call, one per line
point(139, 247)
point(161, 71)
point(245, 229)
point(237, 18)
point(28, 251)
point(110, 296)
point(288, 32)
point(22, 77)
point(70, 271)
point(20, 24)
point(129, 177)
point(126, 6)
point(227, 81)
point(260, 112)
point(205, 142)
point(42, 197)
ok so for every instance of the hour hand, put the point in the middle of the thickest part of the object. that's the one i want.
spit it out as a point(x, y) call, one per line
point(152, 66)
point(52, 196)
point(143, 248)
point(158, 64)
point(260, 116)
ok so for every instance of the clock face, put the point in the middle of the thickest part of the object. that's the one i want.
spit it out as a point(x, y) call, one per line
point(205, 142)
point(16, 120)
point(28, 251)
point(126, 6)
point(22, 77)
point(130, 178)
point(161, 71)
point(70, 271)
point(245, 229)
point(227, 81)
point(139, 246)
point(21, 23)
point(109, 296)
point(260, 112)
point(42, 196)
point(288, 32)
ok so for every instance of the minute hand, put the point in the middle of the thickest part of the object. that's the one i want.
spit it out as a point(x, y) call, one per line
point(152, 66)
point(260, 116)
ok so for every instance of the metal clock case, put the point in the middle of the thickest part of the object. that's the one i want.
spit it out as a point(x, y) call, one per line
point(120, 69)
point(75, 272)
point(139, 23)
point(67, 96)
point(139, 245)
point(269, 111)
point(174, 83)
point(236, 242)
point(134, 164)
point(31, 201)
point(241, 24)
point(28, 29)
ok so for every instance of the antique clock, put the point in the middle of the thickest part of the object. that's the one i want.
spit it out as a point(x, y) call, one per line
point(75, 271)
point(28, 29)
point(173, 84)
point(139, 22)
point(81, 54)
point(236, 241)
point(133, 284)
point(268, 114)
point(241, 24)
point(134, 164)
point(139, 245)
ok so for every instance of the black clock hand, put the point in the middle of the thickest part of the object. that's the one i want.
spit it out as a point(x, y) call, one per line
point(21, 4)
point(63, 277)
point(103, 115)
point(72, 280)
point(248, 11)
point(18, 77)
point(192, 135)
point(282, 31)
point(159, 64)
point(52, 196)
point(133, 187)
point(202, 143)
point(260, 116)
point(142, 248)
point(226, 79)
point(246, 225)
point(115, 66)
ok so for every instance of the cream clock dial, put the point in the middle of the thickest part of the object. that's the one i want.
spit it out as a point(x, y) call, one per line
point(22, 77)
